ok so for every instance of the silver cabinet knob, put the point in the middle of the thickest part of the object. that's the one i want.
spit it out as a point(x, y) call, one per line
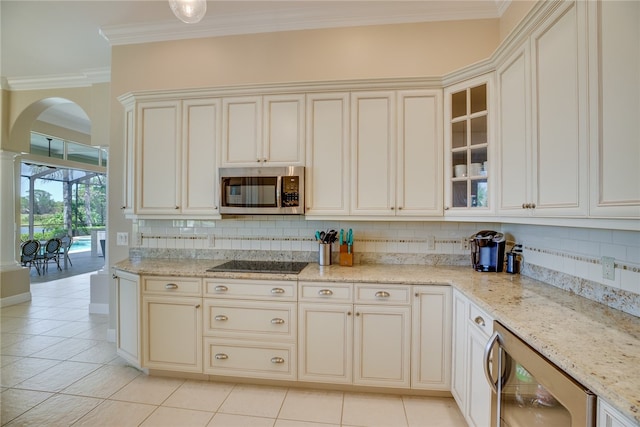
point(221, 356)
point(382, 294)
point(277, 291)
point(479, 321)
point(221, 288)
point(277, 360)
point(221, 318)
point(277, 321)
point(325, 292)
point(171, 286)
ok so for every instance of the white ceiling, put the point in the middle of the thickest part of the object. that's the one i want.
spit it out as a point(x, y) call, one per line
point(54, 44)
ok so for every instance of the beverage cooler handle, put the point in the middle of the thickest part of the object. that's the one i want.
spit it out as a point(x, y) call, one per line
point(495, 338)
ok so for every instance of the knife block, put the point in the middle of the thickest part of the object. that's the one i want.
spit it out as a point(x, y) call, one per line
point(346, 258)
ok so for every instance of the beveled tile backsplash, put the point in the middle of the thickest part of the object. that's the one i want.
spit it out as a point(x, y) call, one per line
point(569, 258)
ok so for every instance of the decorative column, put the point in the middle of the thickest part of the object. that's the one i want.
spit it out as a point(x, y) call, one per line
point(14, 279)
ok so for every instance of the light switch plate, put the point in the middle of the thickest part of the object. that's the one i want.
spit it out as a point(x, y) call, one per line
point(122, 238)
point(431, 243)
point(608, 268)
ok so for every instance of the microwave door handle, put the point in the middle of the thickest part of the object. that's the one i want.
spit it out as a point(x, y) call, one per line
point(279, 191)
point(495, 338)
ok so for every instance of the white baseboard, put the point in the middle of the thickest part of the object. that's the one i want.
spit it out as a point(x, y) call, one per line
point(15, 299)
point(111, 335)
point(98, 308)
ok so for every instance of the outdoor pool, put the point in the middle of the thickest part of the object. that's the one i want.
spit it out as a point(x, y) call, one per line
point(80, 244)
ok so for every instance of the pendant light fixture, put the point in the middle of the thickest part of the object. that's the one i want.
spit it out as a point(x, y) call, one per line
point(189, 11)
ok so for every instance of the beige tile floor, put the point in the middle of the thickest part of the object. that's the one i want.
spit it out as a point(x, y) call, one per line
point(58, 369)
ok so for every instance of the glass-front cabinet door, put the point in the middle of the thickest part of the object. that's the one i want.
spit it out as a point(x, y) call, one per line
point(468, 136)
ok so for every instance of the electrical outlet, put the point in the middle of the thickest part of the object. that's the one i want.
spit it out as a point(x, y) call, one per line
point(138, 239)
point(122, 238)
point(608, 268)
point(431, 243)
point(212, 241)
point(464, 244)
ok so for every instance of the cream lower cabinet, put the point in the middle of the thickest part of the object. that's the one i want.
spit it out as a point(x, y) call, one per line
point(431, 338)
point(472, 328)
point(128, 327)
point(366, 343)
point(250, 328)
point(608, 416)
point(172, 324)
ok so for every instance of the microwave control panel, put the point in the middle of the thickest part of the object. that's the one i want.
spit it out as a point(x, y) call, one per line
point(290, 191)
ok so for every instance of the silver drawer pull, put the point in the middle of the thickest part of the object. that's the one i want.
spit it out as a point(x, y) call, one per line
point(277, 291)
point(171, 286)
point(221, 318)
point(277, 360)
point(479, 321)
point(325, 292)
point(221, 288)
point(382, 294)
point(221, 356)
point(277, 321)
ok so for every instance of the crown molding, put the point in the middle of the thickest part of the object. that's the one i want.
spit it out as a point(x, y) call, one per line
point(290, 19)
point(84, 78)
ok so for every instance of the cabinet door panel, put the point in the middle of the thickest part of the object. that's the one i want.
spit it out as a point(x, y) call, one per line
point(420, 150)
point(382, 346)
point(373, 153)
point(128, 344)
point(158, 157)
point(201, 127)
point(242, 131)
point(284, 130)
point(173, 333)
point(327, 154)
point(479, 390)
point(560, 99)
point(325, 343)
point(615, 152)
point(431, 337)
point(515, 169)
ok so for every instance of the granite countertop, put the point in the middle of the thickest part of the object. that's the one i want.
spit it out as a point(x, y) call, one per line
point(597, 345)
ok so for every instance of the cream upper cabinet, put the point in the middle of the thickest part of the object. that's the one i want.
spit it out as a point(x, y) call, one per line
point(396, 153)
point(373, 153)
point(263, 130)
point(615, 108)
point(201, 122)
point(559, 95)
point(515, 150)
point(469, 145)
point(419, 153)
point(327, 166)
point(158, 157)
point(129, 158)
point(171, 157)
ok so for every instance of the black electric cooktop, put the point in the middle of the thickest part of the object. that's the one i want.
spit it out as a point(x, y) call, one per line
point(240, 266)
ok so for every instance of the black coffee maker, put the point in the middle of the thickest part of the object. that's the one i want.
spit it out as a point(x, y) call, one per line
point(487, 251)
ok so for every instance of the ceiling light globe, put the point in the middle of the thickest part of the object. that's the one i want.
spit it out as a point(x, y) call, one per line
point(189, 11)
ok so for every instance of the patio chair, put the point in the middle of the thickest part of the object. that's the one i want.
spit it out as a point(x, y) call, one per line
point(66, 243)
point(29, 254)
point(51, 253)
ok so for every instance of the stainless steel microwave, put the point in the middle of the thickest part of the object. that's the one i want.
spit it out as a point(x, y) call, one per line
point(262, 190)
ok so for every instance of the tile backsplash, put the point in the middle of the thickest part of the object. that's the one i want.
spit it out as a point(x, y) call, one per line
point(566, 257)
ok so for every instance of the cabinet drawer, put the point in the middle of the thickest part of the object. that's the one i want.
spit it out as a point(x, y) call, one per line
point(251, 289)
point(329, 292)
point(480, 320)
point(383, 294)
point(250, 359)
point(250, 319)
point(172, 285)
